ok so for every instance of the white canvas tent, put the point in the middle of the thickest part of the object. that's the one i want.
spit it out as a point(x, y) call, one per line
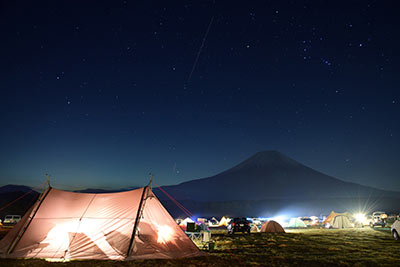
point(119, 226)
point(296, 223)
point(341, 221)
point(338, 220)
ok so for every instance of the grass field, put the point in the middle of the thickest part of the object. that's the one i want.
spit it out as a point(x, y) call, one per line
point(305, 247)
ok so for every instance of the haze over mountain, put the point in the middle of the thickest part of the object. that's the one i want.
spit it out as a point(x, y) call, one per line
point(270, 175)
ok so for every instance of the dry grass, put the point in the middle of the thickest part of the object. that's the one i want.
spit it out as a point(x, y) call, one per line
point(306, 247)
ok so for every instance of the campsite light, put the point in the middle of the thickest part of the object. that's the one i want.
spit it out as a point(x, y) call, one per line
point(360, 217)
point(164, 234)
point(57, 237)
point(281, 219)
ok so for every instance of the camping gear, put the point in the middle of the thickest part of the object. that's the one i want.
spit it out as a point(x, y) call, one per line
point(272, 227)
point(127, 225)
point(211, 246)
point(191, 227)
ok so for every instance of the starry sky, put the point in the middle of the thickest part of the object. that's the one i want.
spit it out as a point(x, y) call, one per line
point(99, 94)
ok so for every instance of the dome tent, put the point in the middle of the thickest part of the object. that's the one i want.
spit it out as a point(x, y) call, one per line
point(272, 227)
point(296, 223)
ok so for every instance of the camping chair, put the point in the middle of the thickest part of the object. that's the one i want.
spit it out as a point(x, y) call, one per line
point(193, 232)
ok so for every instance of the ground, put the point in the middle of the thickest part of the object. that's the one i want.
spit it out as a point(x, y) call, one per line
point(303, 247)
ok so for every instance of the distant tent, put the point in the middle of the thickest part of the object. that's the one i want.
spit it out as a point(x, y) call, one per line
point(314, 220)
point(224, 221)
point(118, 226)
point(341, 221)
point(213, 222)
point(254, 229)
point(296, 223)
point(338, 220)
point(184, 222)
point(272, 227)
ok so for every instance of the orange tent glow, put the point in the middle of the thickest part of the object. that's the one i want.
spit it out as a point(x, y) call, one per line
point(65, 225)
point(272, 227)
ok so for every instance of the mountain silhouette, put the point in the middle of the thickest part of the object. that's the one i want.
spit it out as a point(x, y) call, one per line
point(265, 184)
point(16, 199)
point(14, 188)
point(270, 175)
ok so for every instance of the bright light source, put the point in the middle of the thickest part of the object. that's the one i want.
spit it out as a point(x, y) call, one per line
point(281, 219)
point(360, 217)
point(164, 234)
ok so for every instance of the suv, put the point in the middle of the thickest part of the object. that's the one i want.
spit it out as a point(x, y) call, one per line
point(396, 230)
point(12, 219)
point(239, 225)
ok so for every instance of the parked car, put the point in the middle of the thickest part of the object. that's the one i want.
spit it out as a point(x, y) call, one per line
point(307, 221)
point(396, 230)
point(378, 219)
point(11, 219)
point(240, 224)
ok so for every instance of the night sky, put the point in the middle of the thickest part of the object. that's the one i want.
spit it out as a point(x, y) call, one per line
point(100, 94)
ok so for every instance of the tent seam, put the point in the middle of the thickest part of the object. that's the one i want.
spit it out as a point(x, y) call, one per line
point(79, 224)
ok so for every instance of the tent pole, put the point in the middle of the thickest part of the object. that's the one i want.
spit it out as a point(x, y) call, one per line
point(48, 179)
point(135, 227)
point(29, 220)
point(139, 214)
point(150, 185)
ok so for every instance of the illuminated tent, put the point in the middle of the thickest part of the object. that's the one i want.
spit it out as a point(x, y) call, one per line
point(272, 227)
point(183, 223)
point(213, 222)
point(341, 221)
point(254, 229)
point(296, 223)
point(338, 220)
point(118, 226)
point(224, 221)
